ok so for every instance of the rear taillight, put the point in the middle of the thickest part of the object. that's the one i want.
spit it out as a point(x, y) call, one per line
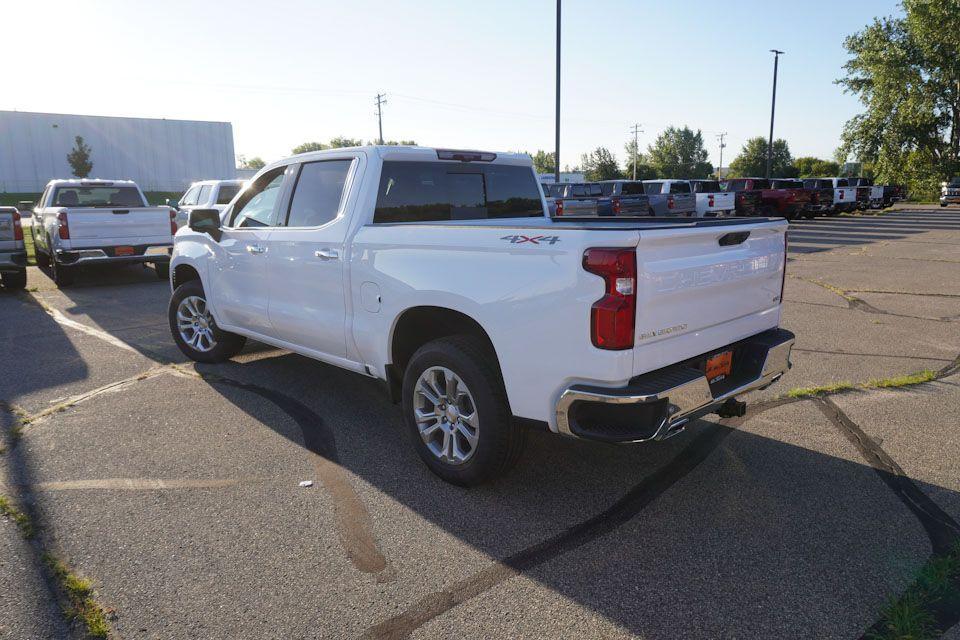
point(841, 194)
point(612, 317)
point(616, 206)
point(64, 227)
point(559, 207)
point(173, 221)
point(17, 227)
point(710, 200)
point(669, 202)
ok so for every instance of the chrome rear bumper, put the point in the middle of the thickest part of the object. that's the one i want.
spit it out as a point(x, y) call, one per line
point(153, 253)
point(657, 405)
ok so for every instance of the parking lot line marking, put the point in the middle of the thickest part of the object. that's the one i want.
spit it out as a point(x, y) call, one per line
point(63, 320)
point(142, 484)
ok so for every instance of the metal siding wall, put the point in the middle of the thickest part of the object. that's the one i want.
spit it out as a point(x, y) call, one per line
point(160, 155)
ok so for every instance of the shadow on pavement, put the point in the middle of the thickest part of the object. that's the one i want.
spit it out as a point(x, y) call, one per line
point(825, 233)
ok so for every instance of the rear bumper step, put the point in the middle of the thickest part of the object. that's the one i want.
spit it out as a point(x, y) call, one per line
point(657, 405)
point(13, 260)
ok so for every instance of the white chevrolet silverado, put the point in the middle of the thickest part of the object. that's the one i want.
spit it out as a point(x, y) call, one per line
point(79, 222)
point(440, 273)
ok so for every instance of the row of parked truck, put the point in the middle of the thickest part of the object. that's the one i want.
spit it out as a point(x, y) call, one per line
point(786, 197)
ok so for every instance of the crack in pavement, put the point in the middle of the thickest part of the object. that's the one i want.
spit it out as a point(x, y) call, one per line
point(138, 484)
point(871, 355)
point(857, 304)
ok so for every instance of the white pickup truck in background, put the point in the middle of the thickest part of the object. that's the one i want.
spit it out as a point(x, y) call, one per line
point(712, 200)
point(205, 194)
point(13, 253)
point(440, 273)
point(80, 222)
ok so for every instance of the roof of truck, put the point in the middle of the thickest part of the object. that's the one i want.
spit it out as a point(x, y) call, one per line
point(90, 182)
point(405, 152)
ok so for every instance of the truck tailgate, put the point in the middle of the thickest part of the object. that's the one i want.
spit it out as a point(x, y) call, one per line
point(7, 232)
point(102, 226)
point(702, 288)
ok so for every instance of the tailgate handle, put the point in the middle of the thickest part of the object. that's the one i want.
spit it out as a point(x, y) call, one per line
point(121, 211)
point(731, 239)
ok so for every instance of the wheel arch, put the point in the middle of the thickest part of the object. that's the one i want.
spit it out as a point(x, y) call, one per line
point(416, 326)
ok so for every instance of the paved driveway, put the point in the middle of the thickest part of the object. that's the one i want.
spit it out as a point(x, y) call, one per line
point(175, 487)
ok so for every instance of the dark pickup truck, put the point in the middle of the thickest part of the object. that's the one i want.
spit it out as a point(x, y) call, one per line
point(798, 197)
point(627, 197)
point(773, 201)
point(821, 196)
point(747, 202)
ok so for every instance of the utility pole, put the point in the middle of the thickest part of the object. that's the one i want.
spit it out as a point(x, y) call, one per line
point(381, 100)
point(773, 109)
point(721, 136)
point(635, 129)
point(556, 151)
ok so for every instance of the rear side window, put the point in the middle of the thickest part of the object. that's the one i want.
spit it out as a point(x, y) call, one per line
point(652, 187)
point(679, 187)
point(318, 192)
point(438, 191)
point(97, 197)
point(226, 193)
point(631, 188)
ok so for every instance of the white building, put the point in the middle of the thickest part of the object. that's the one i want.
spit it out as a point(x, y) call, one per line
point(160, 155)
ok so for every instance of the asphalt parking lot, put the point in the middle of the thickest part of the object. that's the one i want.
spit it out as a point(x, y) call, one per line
point(175, 489)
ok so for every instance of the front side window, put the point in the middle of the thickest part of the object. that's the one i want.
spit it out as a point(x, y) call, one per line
point(318, 193)
point(204, 195)
point(439, 191)
point(97, 197)
point(255, 207)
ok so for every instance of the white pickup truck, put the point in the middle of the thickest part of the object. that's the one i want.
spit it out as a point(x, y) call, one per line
point(440, 273)
point(80, 222)
point(712, 200)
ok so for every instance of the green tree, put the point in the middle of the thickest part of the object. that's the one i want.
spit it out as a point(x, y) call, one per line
point(394, 143)
point(256, 162)
point(679, 153)
point(79, 158)
point(906, 73)
point(339, 142)
point(645, 170)
point(600, 164)
point(752, 160)
point(543, 161)
point(306, 147)
point(810, 167)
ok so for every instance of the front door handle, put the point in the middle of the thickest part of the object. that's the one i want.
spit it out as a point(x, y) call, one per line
point(256, 248)
point(327, 254)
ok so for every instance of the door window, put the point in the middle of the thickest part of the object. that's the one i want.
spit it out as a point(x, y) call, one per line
point(190, 197)
point(318, 193)
point(255, 207)
point(204, 196)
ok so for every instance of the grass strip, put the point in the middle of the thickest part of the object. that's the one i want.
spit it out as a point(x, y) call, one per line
point(80, 604)
point(19, 518)
point(895, 382)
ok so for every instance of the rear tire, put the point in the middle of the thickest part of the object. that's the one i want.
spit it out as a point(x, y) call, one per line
point(43, 259)
point(194, 329)
point(460, 450)
point(14, 280)
point(62, 275)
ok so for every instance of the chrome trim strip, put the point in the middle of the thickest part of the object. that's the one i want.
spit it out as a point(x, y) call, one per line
point(684, 399)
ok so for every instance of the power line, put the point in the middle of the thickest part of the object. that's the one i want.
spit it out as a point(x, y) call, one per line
point(381, 100)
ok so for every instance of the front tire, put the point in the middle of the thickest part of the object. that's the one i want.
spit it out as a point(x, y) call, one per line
point(194, 329)
point(14, 280)
point(457, 414)
point(162, 269)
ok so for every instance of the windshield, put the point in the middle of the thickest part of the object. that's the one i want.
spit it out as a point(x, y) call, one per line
point(706, 186)
point(97, 197)
point(226, 193)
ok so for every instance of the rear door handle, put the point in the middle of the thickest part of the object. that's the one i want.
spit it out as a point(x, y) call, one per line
point(327, 254)
point(256, 248)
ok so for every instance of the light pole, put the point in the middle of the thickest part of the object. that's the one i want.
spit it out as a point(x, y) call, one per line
point(556, 151)
point(635, 129)
point(773, 109)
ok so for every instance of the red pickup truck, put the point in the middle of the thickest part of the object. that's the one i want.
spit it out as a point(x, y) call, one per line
point(784, 200)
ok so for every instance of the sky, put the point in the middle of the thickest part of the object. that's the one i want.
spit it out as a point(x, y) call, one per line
point(456, 74)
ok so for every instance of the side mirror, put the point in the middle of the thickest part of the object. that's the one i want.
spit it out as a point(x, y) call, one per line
point(205, 221)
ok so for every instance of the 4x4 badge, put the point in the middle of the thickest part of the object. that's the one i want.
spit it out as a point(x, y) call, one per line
point(532, 239)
